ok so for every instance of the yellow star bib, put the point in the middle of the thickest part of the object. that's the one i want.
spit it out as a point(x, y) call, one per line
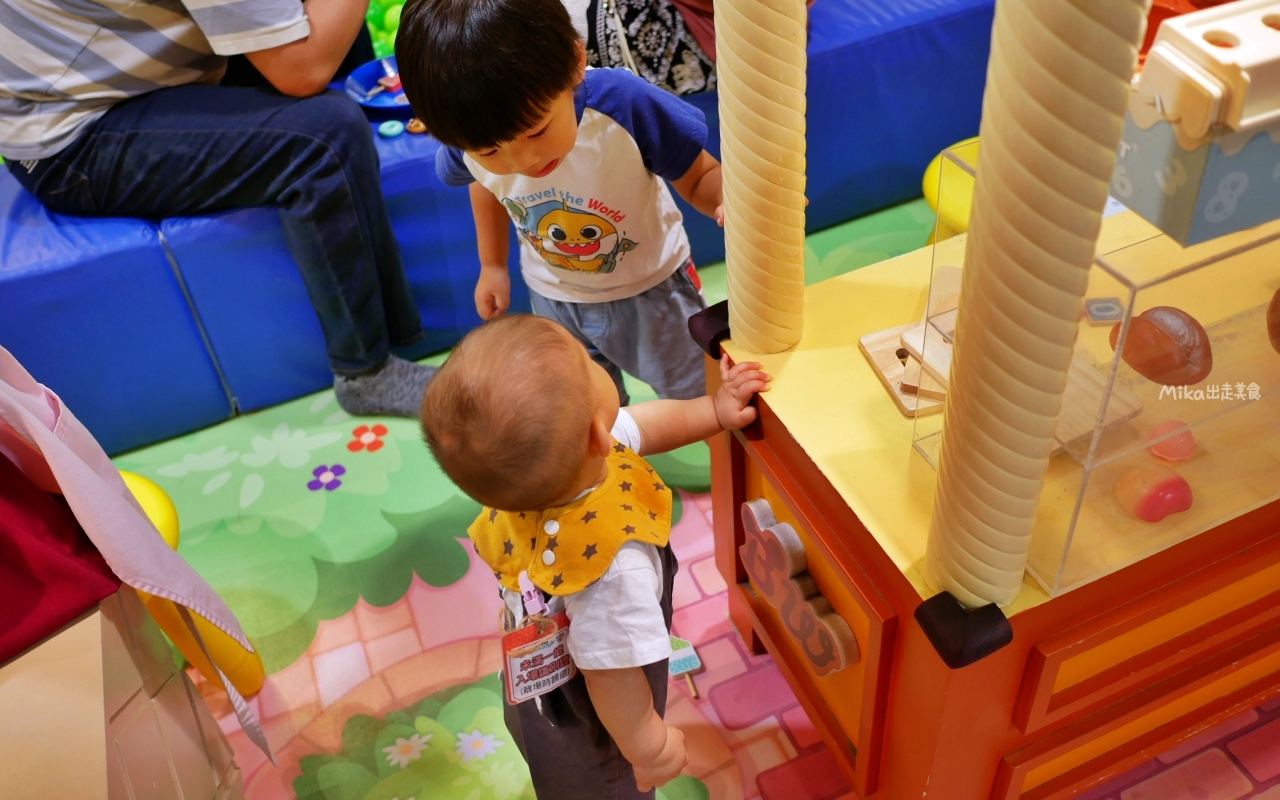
point(566, 549)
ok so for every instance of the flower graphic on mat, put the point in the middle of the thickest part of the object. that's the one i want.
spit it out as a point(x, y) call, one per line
point(503, 779)
point(406, 750)
point(477, 745)
point(367, 438)
point(292, 446)
point(327, 477)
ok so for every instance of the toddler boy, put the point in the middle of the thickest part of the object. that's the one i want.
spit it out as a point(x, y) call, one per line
point(524, 421)
point(576, 158)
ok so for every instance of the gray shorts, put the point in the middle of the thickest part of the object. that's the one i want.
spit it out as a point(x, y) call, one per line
point(646, 336)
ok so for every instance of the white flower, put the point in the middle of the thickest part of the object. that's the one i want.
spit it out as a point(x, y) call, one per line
point(503, 779)
point(406, 750)
point(292, 448)
point(477, 745)
point(217, 458)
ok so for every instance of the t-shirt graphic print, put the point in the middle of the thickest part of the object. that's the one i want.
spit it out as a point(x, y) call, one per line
point(570, 238)
point(602, 225)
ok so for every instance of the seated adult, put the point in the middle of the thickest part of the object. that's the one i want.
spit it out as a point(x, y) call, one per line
point(113, 108)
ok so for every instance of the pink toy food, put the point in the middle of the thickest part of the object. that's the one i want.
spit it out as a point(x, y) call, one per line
point(1152, 492)
point(1178, 447)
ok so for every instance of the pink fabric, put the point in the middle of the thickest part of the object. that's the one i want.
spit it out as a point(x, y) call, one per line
point(50, 445)
point(699, 18)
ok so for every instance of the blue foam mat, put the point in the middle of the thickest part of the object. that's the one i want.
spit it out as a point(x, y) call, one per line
point(94, 311)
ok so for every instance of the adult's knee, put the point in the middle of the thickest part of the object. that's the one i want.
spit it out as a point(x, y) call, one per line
point(338, 123)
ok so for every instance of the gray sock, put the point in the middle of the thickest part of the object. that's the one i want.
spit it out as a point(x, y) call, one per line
point(394, 391)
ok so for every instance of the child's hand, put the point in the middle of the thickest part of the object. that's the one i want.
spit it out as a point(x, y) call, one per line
point(667, 766)
point(493, 291)
point(739, 384)
point(720, 215)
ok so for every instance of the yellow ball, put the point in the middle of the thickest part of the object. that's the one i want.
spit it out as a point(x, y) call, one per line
point(955, 186)
point(157, 505)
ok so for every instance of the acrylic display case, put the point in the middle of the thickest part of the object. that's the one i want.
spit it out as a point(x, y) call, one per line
point(1189, 415)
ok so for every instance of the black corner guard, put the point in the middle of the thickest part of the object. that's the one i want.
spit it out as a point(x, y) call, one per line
point(960, 635)
point(710, 326)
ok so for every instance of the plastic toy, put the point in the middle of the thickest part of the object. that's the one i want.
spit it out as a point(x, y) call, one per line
point(376, 86)
point(684, 662)
point(243, 668)
point(1195, 136)
point(1152, 492)
point(415, 126)
point(391, 129)
point(156, 505)
point(954, 207)
point(383, 19)
point(1273, 321)
point(1178, 447)
point(1168, 346)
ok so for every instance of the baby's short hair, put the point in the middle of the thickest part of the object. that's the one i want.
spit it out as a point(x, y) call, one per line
point(479, 73)
point(508, 416)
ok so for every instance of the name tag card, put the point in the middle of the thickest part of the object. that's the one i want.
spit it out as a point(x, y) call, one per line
point(537, 658)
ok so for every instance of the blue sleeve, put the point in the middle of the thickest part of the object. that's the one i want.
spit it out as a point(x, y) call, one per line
point(671, 133)
point(451, 169)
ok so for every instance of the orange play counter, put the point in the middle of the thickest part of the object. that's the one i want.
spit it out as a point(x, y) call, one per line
point(1095, 680)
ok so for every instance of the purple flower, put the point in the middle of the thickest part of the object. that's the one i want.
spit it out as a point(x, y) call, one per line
point(327, 477)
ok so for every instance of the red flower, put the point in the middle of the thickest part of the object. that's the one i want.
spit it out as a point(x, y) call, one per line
point(367, 438)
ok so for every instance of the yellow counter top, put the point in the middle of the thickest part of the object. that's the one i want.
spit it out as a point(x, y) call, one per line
point(831, 401)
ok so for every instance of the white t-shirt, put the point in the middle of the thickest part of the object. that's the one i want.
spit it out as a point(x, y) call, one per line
point(603, 225)
point(617, 622)
point(578, 15)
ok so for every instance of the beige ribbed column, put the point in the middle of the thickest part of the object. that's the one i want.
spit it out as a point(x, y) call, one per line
point(1057, 90)
point(760, 47)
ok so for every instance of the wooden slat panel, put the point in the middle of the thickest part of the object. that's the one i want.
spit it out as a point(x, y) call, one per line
point(1151, 638)
point(1100, 746)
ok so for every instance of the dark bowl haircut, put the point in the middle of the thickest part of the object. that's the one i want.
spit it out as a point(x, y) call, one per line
point(479, 73)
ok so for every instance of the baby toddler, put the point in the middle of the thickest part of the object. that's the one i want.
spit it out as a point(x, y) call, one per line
point(526, 423)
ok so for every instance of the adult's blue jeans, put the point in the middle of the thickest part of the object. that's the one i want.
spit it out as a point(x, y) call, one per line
point(199, 149)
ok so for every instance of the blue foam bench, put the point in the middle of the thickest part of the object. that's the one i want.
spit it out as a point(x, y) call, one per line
point(149, 330)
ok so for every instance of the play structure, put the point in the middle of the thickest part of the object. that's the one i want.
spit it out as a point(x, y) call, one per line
point(154, 328)
point(1009, 521)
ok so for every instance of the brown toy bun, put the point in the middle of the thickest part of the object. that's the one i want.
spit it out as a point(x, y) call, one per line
point(1168, 346)
point(1273, 321)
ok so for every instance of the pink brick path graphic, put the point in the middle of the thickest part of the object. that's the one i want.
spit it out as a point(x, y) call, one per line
point(748, 738)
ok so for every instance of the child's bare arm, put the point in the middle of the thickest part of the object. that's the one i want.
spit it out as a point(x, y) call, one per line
point(668, 424)
point(701, 186)
point(624, 702)
point(493, 289)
